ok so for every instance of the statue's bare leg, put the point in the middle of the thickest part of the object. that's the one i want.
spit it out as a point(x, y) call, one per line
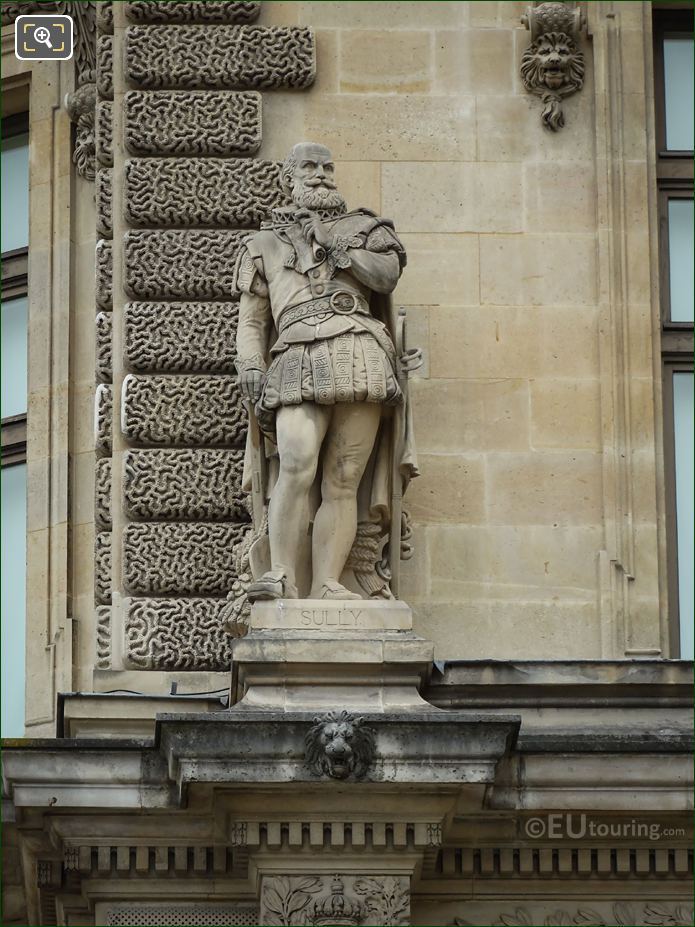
point(300, 433)
point(349, 442)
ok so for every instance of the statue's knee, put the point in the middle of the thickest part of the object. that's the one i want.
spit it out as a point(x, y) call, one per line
point(300, 467)
point(341, 482)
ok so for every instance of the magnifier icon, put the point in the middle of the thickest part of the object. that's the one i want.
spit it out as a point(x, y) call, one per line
point(42, 34)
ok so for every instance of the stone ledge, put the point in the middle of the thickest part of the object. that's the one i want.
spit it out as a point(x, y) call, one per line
point(418, 748)
point(331, 616)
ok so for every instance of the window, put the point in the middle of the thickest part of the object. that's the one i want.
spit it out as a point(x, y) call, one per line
point(13, 403)
point(673, 71)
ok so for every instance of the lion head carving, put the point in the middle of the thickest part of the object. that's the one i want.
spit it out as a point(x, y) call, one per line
point(339, 745)
point(552, 67)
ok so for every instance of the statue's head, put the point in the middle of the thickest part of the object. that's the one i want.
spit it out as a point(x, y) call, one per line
point(308, 176)
point(553, 62)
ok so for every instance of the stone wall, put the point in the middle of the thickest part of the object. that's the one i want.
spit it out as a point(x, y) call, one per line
point(528, 286)
point(536, 513)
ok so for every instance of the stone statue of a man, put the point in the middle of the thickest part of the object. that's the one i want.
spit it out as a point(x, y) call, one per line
point(317, 360)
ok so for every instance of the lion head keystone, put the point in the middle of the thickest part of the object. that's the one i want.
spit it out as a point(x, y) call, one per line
point(339, 745)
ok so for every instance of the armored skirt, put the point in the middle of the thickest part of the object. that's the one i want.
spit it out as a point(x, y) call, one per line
point(352, 367)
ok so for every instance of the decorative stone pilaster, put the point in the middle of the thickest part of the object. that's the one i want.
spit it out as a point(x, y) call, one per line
point(177, 189)
point(552, 67)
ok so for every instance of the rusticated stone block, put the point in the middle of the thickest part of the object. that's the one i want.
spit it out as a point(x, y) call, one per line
point(105, 66)
point(103, 200)
point(162, 558)
point(102, 568)
point(183, 411)
point(176, 634)
point(228, 57)
point(104, 275)
point(200, 191)
point(175, 122)
point(104, 353)
point(104, 134)
point(181, 264)
point(180, 337)
point(185, 11)
point(183, 485)
point(102, 495)
point(103, 638)
point(105, 16)
point(103, 419)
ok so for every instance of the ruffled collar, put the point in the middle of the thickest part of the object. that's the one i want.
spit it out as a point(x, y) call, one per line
point(284, 215)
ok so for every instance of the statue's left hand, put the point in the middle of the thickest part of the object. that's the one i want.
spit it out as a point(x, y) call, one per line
point(411, 360)
point(313, 227)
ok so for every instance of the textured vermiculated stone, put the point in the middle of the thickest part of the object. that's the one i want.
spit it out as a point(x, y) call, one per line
point(180, 337)
point(103, 201)
point(230, 57)
point(102, 568)
point(183, 411)
point(102, 494)
point(164, 192)
point(104, 133)
point(105, 16)
point(104, 352)
point(179, 122)
point(162, 558)
point(103, 636)
point(181, 264)
point(182, 485)
point(176, 634)
point(185, 11)
point(105, 66)
point(103, 419)
point(104, 275)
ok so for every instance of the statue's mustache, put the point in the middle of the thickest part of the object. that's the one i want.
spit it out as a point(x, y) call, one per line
point(320, 182)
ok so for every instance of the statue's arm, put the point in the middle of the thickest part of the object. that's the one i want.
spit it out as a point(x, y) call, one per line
point(252, 332)
point(376, 257)
point(380, 272)
point(255, 319)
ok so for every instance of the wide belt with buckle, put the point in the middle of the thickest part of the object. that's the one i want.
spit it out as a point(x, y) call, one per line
point(342, 302)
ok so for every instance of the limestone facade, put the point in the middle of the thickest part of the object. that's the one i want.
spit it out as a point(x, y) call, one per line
point(538, 576)
point(526, 248)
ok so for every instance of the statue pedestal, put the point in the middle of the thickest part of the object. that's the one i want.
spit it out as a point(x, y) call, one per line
point(316, 655)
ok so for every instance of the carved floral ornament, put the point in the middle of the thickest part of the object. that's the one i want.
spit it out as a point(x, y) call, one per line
point(619, 914)
point(319, 901)
point(552, 67)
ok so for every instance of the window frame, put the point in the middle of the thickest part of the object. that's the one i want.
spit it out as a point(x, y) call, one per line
point(674, 175)
point(15, 284)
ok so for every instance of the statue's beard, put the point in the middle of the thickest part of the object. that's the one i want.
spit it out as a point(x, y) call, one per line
point(318, 196)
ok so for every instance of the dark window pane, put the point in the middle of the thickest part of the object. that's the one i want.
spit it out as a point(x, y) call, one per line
point(678, 79)
point(15, 192)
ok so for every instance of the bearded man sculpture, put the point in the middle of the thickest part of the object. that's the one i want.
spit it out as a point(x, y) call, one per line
point(318, 365)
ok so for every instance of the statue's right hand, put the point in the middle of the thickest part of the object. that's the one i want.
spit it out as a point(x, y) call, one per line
point(250, 384)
